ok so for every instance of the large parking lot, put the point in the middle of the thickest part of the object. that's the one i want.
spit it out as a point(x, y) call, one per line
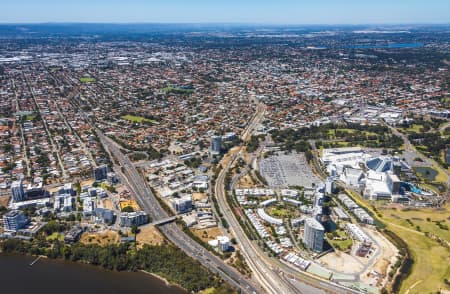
point(283, 170)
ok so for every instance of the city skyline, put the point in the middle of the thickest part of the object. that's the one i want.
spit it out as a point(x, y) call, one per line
point(250, 11)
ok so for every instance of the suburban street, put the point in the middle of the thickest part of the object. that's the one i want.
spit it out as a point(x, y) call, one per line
point(54, 145)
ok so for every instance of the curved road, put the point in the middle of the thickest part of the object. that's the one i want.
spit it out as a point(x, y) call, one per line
point(271, 273)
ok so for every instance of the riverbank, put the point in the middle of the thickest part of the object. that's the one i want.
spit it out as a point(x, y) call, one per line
point(169, 262)
point(52, 276)
point(160, 278)
point(168, 284)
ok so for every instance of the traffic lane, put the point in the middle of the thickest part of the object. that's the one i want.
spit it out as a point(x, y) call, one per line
point(210, 262)
point(137, 184)
point(207, 257)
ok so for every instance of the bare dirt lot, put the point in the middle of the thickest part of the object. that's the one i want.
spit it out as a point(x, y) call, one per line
point(207, 234)
point(341, 262)
point(149, 235)
point(199, 196)
point(381, 263)
point(107, 203)
point(226, 159)
point(87, 183)
point(132, 203)
point(246, 182)
point(4, 200)
point(102, 239)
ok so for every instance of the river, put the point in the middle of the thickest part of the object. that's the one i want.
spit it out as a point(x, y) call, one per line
point(56, 277)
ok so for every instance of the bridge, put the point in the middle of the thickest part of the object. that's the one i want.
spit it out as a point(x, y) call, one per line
point(164, 221)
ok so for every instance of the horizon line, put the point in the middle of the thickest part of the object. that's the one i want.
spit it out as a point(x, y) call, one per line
point(222, 23)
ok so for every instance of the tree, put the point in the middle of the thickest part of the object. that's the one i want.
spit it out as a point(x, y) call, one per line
point(134, 229)
point(52, 227)
point(128, 209)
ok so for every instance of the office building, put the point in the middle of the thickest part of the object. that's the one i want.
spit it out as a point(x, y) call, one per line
point(112, 178)
point(329, 186)
point(127, 219)
point(17, 192)
point(230, 136)
point(222, 243)
point(101, 173)
point(313, 235)
point(63, 202)
point(182, 205)
point(14, 221)
point(67, 189)
point(104, 215)
point(216, 145)
point(35, 191)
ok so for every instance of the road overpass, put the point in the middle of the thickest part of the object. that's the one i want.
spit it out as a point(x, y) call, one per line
point(164, 221)
point(150, 205)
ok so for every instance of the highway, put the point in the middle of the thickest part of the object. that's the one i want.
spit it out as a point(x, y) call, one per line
point(144, 196)
point(271, 282)
point(273, 275)
point(264, 268)
point(150, 205)
point(265, 274)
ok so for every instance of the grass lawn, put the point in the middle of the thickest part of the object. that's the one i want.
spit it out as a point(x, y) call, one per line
point(175, 90)
point(137, 119)
point(431, 260)
point(208, 291)
point(343, 144)
point(55, 236)
point(425, 218)
point(445, 100)
point(30, 117)
point(341, 244)
point(107, 187)
point(350, 131)
point(279, 212)
point(87, 80)
point(441, 176)
point(416, 128)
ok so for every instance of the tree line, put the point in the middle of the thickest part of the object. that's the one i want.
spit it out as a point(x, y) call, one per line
point(167, 261)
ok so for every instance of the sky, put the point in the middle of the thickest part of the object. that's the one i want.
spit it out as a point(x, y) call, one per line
point(227, 11)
